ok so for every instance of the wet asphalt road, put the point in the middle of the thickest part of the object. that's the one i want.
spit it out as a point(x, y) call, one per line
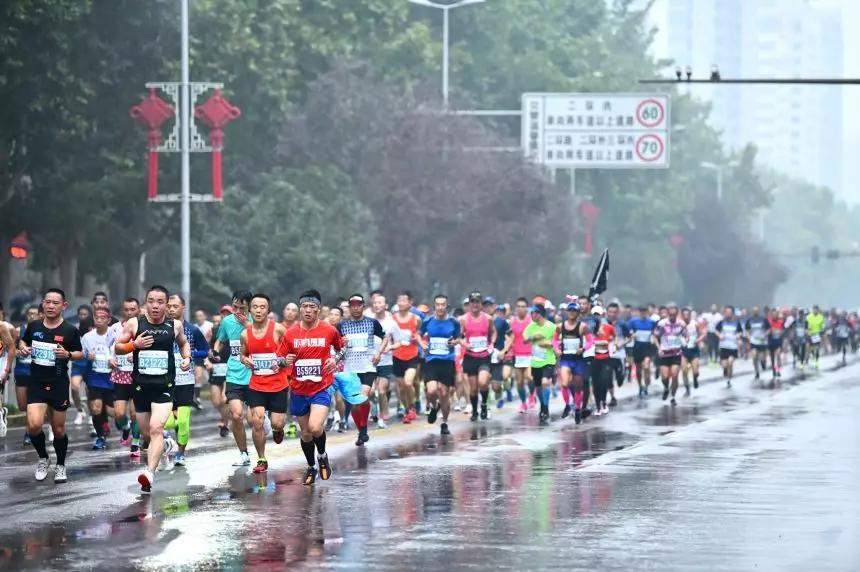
point(753, 477)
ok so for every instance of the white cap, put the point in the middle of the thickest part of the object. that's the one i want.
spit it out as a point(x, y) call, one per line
point(598, 310)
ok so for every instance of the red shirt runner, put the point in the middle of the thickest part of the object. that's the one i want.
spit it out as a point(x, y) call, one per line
point(312, 349)
point(262, 352)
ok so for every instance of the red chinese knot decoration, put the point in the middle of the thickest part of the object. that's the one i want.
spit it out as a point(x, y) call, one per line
point(216, 112)
point(588, 213)
point(152, 112)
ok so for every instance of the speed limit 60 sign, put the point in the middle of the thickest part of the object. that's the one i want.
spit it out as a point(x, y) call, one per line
point(593, 130)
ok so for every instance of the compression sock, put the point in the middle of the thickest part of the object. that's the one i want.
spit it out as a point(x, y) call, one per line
point(171, 422)
point(565, 394)
point(38, 441)
point(98, 423)
point(474, 400)
point(360, 413)
point(135, 429)
point(485, 396)
point(183, 425)
point(521, 391)
point(544, 393)
point(61, 445)
point(121, 423)
point(308, 450)
point(577, 399)
point(320, 443)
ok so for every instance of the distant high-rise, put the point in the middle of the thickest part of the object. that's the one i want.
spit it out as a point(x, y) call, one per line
point(798, 129)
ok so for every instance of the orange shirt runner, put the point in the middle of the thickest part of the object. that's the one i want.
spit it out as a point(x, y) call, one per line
point(263, 352)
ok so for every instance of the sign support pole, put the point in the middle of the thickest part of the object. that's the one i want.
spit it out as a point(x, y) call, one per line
point(186, 165)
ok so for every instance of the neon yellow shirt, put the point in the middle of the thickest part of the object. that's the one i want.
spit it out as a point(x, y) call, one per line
point(815, 323)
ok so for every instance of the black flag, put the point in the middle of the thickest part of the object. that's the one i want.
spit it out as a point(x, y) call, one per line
point(598, 282)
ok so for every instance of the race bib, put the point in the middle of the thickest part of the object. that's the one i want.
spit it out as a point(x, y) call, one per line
point(101, 364)
point(643, 336)
point(438, 347)
point(308, 370)
point(478, 343)
point(183, 377)
point(494, 356)
point(357, 342)
point(815, 338)
point(673, 342)
point(263, 363)
point(235, 347)
point(219, 370)
point(152, 362)
point(123, 362)
point(522, 361)
point(405, 336)
point(43, 353)
point(571, 345)
point(538, 353)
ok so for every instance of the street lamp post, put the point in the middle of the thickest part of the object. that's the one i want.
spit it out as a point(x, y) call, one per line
point(719, 170)
point(445, 9)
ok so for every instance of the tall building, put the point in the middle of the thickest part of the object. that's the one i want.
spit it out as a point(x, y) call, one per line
point(798, 129)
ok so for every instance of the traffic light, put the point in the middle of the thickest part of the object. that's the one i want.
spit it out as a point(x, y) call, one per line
point(19, 248)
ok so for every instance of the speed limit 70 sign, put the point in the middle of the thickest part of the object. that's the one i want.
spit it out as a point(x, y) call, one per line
point(598, 131)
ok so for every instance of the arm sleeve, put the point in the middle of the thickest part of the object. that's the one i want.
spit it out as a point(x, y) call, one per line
point(200, 345)
point(378, 331)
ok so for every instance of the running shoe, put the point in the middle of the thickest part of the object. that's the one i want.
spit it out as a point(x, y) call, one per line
point(613, 402)
point(195, 403)
point(310, 476)
point(243, 461)
point(413, 413)
point(509, 396)
point(695, 383)
point(642, 393)
point(27, 441)
point(341, 426)
point(262, 466)
point(500, 403)
point(457, 406)
point(543, 418)
point(566, 411)
point(179, 460)
point(380, 424)
point(99, 444)
point(329, 422)
point(577, 416)
point(407, 419)
point(60, 474)
point(134, 453)
point(686, 392)
point(3, 427)
point(484, 410)
point(431, 417)
point(325, 467)
point(125, 438)
point(673, 402)
point(278, 436)
point(523, 407)
point(586, 412)
point(145, 479)
point(474, 416)
point(444, 429)
point(363, 437)
point(531, 400)
point(81, 418)
point(223, 431)
point(728, 383)
point(665, 394)
point(598, 412)
point(401, 411)
point(42, 467)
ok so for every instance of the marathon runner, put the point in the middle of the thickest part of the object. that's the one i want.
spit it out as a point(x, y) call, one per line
point(713, 318)
point(51, 342)
point(670, 336)
point(499, 351)
point(385, 367)
point(775, 336)
point(572, 366)
point(540, 334)
point(815, 333)
point(151, 338)
point(618, 358)
point(269, 386)
point(440, 334)
point(7, 357)
point(592, 321)
point(184, 390)
point(730, 332)
point(757, 334)
point(22, 365)
point(238, 376)
point(121, 375)
point(218, 372)
point(601, 369)
point(360, 333)
point(842, 331)
point(479, 336)
point(522, 351)
point(96, 346)
point(79, 366)
point(641, 328)
point(307, 348)
point(405, 352)
point(697, 331)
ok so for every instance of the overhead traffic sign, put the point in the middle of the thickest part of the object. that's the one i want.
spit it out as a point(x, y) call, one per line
point(596, 130)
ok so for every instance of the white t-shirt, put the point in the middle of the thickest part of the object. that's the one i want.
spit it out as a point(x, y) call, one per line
point(100, 346)
point(206, 329)
point(712, 319)
point(390, 327)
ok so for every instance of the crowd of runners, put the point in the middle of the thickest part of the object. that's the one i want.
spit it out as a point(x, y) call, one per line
point(361, 362)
